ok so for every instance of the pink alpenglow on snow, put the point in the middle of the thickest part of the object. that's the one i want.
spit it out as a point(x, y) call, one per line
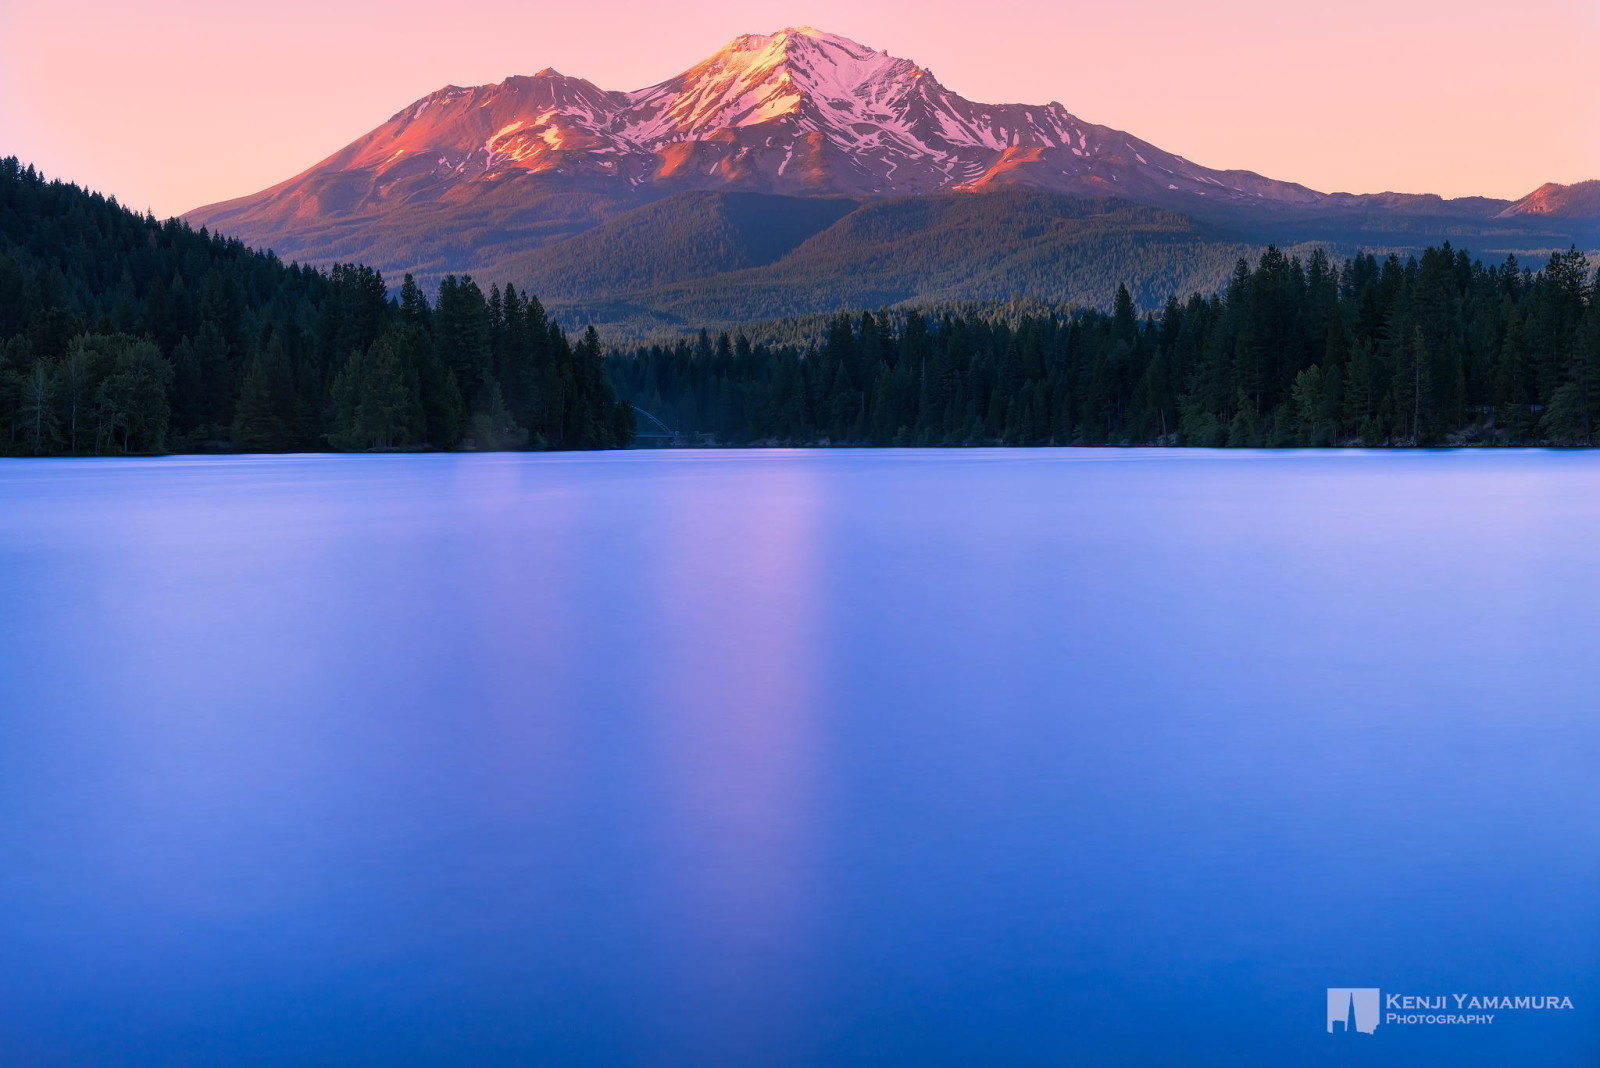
point(799, 111)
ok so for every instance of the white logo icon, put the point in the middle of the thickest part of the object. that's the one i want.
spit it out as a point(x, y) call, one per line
point(1353, 1008)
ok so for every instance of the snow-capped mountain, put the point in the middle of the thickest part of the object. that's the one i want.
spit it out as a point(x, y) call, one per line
point(467, 179)
point(798, 111)
point(805, 111)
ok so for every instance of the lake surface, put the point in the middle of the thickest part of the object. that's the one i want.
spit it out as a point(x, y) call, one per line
point(989, 757)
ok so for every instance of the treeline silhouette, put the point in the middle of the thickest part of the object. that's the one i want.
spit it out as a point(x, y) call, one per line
point(122, 334)
point(1430, 350)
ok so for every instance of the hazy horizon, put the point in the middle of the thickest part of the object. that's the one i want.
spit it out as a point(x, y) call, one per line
point(180, 105)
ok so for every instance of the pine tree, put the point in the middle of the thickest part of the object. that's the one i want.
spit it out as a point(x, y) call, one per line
point(133, 399)
point(376, 401)
point(264, 417)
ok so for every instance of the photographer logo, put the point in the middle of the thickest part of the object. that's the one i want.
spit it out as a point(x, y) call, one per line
point(1361, 1009)
point(1353, 1009)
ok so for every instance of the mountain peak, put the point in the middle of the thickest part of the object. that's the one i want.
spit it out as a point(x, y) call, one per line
point(788, 37)
point(798, 111)
point(816, 53)
point(816, 81)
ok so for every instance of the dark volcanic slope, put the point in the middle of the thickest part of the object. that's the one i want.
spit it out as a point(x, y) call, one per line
point(931, 249)
point(682, 238)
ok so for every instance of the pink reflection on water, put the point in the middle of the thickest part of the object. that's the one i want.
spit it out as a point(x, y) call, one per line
point(733, 674)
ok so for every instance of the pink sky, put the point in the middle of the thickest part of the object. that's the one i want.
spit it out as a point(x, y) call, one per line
point(170, 104)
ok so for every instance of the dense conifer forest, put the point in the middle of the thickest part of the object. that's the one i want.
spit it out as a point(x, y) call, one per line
point(121, 334)
point(1438, 349)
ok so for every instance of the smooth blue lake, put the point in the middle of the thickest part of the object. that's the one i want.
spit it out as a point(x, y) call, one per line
point(1054, 757)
